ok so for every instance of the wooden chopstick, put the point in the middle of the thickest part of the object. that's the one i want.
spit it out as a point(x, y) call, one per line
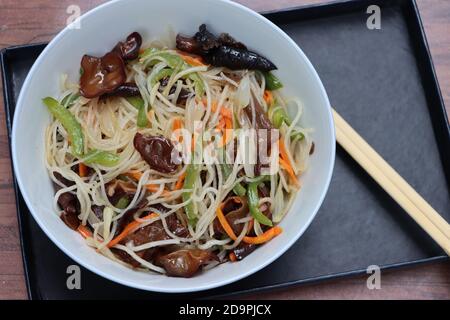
point(392, 183)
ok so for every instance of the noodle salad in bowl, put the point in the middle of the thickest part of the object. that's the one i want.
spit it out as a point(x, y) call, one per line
point(175, 159)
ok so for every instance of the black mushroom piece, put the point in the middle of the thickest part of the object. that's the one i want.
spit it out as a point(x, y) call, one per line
point(186, 262)
point(128, 89)
point(101, 75)
point(223, 51)
point(68, 202)
point(158, 152)
point(243, 250)
point(152, 232)
point(106, 75)
point(128, 216)
point(173, 223)
point(236, 59)
point(234, 208)
point(129, 50)
point(182, 96)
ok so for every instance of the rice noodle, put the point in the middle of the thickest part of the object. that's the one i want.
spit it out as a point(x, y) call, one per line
point(110, 124)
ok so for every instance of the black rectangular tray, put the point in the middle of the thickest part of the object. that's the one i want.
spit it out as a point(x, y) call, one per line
point(384, 84)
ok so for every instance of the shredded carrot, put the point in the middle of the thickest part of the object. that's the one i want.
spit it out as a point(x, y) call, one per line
point(82, 170)
point(155, 188)
point(266, 236)
point(84, 231)
point(177, 124)
point(192, 144)
point(225, 225)
point(232, 257)
point(129, 228)
point(225, 112)
point(284, 162)
point(283, 151)
point(268, 97)
point(226, 136)
point(180, 181)
point(191, 59)
point(286, 166)
point(136, 175)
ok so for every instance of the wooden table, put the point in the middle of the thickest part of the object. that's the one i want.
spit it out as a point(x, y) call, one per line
point(39, 20)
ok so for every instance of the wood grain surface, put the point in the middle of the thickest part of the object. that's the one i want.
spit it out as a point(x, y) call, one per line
point(23, 22)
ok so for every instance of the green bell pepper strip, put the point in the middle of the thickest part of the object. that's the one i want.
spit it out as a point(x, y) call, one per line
point(103, 158)
point(198, 83)
point(148, 52)
point(161, 75)
point(70, 124)
point(238, 189)
point(192, 174)
point(139, 104)
point(272, 82)
point(123, 203)
point(253, 203)
point(69, 100)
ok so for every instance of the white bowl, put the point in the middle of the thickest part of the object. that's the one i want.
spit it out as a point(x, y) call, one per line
point(100, 30)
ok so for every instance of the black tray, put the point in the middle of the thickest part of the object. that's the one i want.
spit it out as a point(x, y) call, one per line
point(383, 83)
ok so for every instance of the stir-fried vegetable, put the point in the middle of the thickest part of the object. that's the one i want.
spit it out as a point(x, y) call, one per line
point(266, 236)
point(272, 82)
point(278, 116)
point(192, 173)
point(253, 203)
point(268, 97)
point(103, 158)
point(123, 202)
point(285, 163)
point(174, 61)
point(70, 124)
point(82, 170)
point(160, 209)
point(163, 73)
point(137, 175)
point(180, 181)
point(139, 104)
point(238, 189)
point(70, 99)
point(84, 231)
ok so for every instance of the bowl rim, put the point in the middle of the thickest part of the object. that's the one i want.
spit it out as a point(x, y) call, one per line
point(172, 289)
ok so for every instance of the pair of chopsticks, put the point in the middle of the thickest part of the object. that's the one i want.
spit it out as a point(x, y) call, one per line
point(419, 209)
